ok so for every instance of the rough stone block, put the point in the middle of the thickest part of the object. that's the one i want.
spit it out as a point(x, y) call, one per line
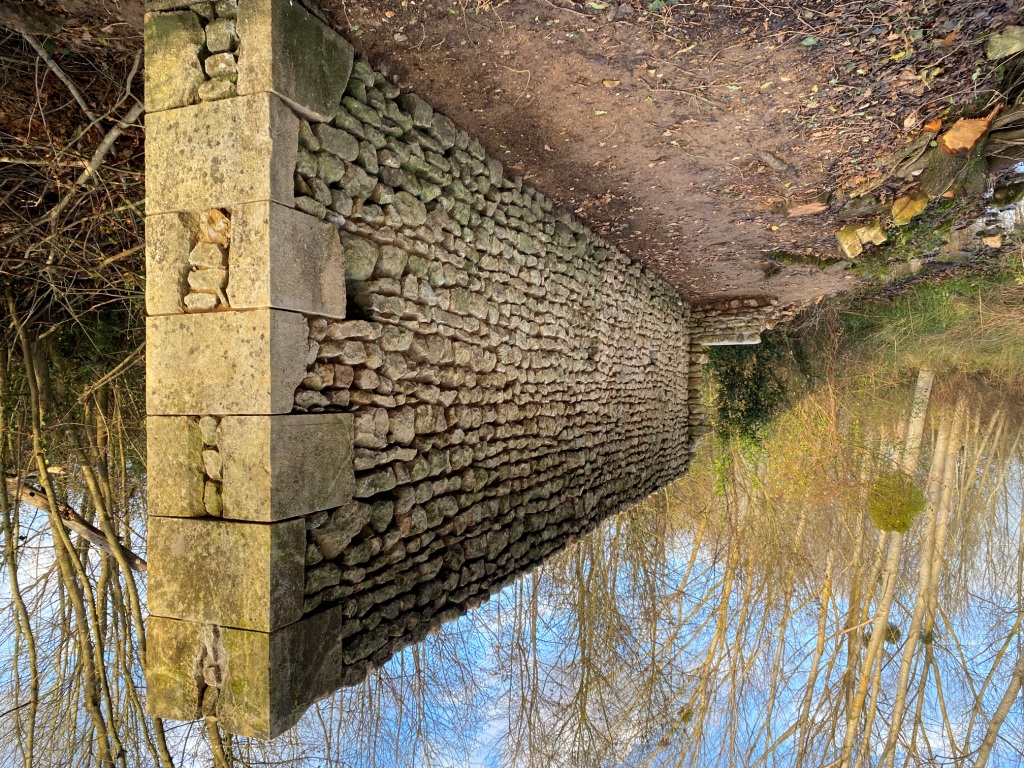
point(285, 259)
point(220, 154)
point(278, 467)
point(174, 467)
point(173, 70)
point(235, 574)
point(174, 655)
point(269, 679)
point(287, 51)
point(169, 239)
point(225, 362)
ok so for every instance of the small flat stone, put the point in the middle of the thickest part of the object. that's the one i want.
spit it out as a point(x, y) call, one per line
point(208, 255)
point(311, 206)
point(330, 168)
point(208, 430)
point(362, 112)
point(212, 464)
point(201, 302)
point(222, 65)
point(422, 113)
point(211, 498)
point(221, 36)
point(216, 89)
point(208, 280)
point(412, 211)
point(444, 130)
point(337, 142)
point(360, 257)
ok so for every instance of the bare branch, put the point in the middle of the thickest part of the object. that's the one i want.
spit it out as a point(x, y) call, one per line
point(35, 497)
point(61, 75)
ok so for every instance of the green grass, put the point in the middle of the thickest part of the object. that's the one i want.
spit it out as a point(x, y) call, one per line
point(971, 326)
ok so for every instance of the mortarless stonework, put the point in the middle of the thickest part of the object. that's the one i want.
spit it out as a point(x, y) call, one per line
point(396, 385)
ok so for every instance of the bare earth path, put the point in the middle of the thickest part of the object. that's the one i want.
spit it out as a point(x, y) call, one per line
point(658, 141)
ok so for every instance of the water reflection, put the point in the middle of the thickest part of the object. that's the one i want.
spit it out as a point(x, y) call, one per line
point(752, 614)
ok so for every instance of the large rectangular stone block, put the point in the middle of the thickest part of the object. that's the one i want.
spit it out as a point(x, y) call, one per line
point(284, 258)
point(174, 467)
point(225, 362)
point(289, 52)
point(264, 681)
point(169, 239)
point(234, 574)
point(173, 70)
point(264, 468)
point(277, 257)
point(277, 467)
point(220, 154)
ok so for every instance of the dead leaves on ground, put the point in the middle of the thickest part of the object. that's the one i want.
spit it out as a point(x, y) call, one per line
point(965, 134)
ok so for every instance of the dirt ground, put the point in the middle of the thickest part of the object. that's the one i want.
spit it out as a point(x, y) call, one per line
point(685, 133)
point(655, 140)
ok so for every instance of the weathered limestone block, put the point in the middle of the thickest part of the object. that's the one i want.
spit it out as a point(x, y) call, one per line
point(174, 467)
point(170, 238)
point(236, 574)
point(173, 71)
point(287, 51)
point(220, 154)
point(267, 679)
point(285, 259)
point(225, 362)
point(278, 467)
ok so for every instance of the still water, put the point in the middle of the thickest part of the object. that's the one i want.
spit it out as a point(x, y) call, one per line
point(752, 614)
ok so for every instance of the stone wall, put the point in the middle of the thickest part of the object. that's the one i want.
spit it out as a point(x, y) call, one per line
point(384, 378)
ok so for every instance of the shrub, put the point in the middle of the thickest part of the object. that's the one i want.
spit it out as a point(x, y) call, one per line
point(894, 501)
point(749, 388)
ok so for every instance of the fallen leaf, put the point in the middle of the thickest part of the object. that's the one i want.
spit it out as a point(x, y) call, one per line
point(215, 227)
point(933, 126)
point(993, 241)
point(610, 83)
point(809, 41)
point(808, 209)
point(907, 207)
point(948, 39)
point(965, 134)
point(949, 194)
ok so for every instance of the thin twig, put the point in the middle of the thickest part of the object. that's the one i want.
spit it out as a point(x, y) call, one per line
point(97, 158)
point(61, 75)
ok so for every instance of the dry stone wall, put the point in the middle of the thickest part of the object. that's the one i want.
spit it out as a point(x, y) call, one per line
point(384, 377)
point(513, 379)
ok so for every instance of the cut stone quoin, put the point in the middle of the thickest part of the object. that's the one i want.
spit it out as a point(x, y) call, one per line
point(225, 572)
point(276, 467)
point(221, 154)
point(288, 52)
point(225, 362)
point(285, 259)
